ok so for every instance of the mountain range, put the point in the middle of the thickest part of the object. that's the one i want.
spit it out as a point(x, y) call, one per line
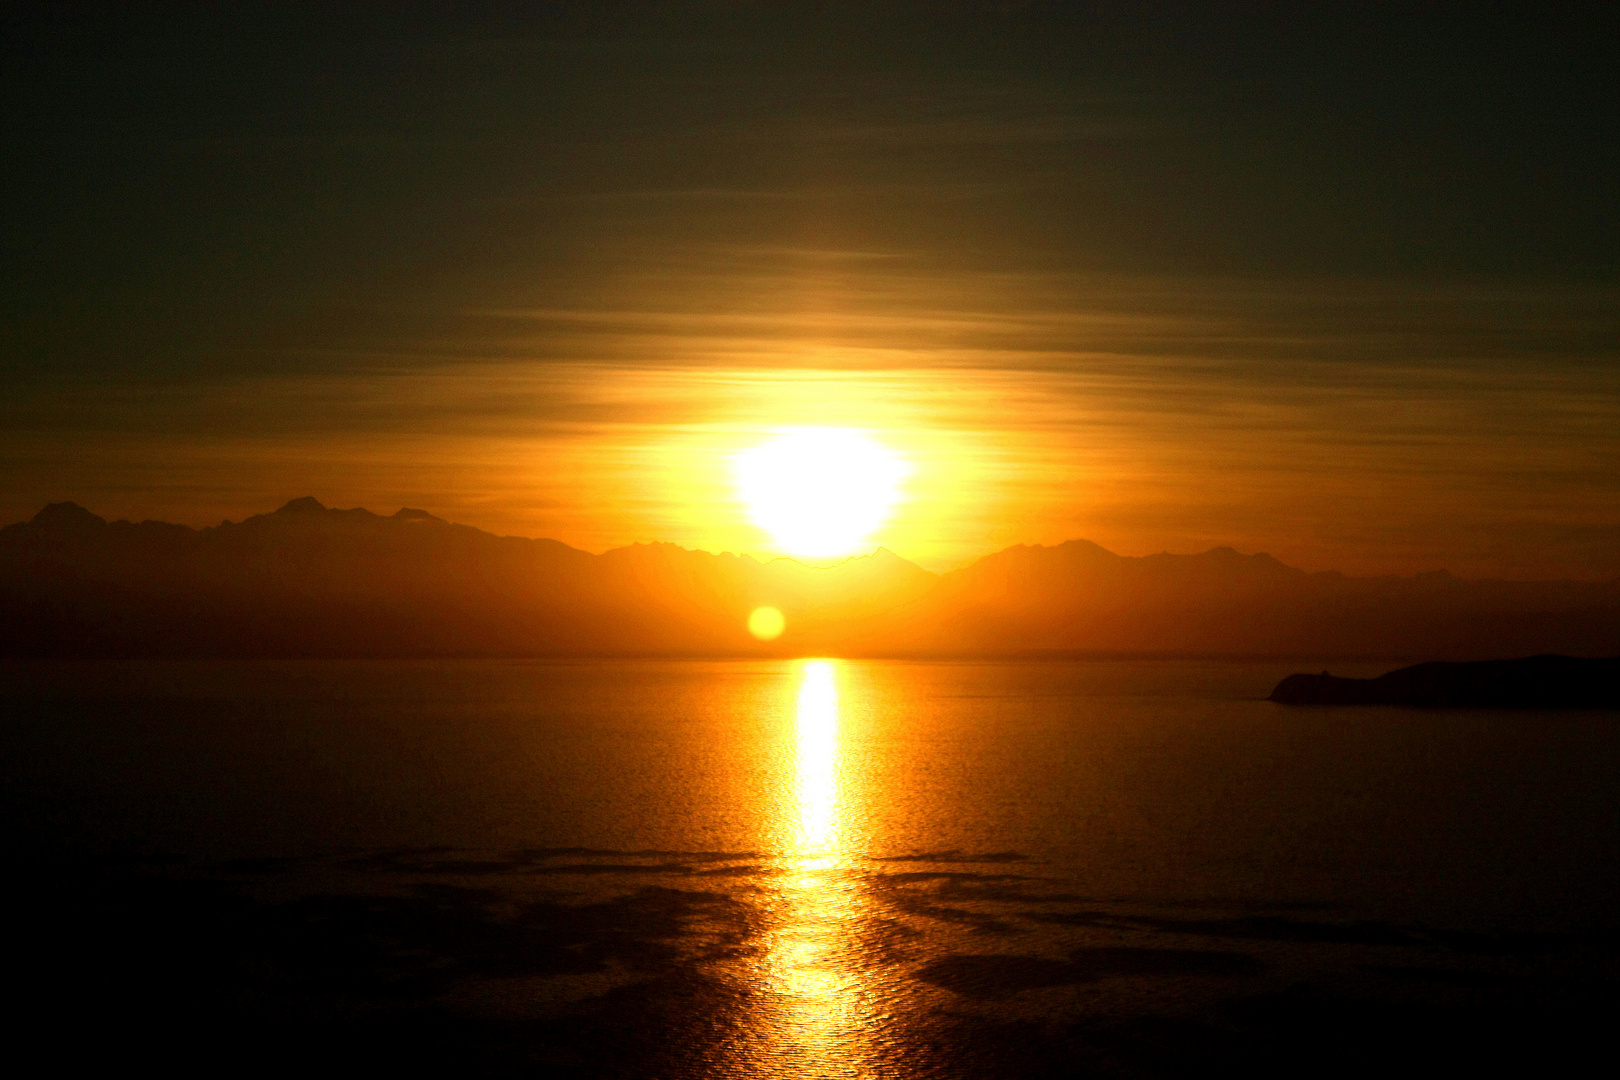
point(307, 580)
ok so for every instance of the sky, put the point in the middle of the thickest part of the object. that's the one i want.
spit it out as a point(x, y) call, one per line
point(1338, 283)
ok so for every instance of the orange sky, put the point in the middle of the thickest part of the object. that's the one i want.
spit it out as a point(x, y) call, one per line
point(1286, 285)
point(1131, 423)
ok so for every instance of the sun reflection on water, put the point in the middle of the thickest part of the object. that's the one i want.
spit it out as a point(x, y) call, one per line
point(821, 1011)
point(817, 719)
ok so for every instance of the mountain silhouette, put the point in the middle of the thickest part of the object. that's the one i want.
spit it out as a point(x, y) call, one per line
point(308, 580)
point(1082, 598)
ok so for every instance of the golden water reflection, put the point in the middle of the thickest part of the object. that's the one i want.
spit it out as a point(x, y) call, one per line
point(817, 789)
point(822, 1009)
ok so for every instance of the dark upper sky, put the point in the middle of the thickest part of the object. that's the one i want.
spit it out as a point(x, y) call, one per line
point(1253, 199)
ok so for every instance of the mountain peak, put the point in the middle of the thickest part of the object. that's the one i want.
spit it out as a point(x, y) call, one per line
point(309, 504)
point(884, 559)
point(67, 515)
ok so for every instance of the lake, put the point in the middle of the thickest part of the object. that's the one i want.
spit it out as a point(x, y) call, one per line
point(801, 868)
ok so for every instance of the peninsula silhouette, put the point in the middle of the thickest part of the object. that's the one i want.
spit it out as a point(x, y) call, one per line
point(1535, 682)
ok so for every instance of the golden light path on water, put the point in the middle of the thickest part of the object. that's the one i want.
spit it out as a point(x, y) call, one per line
point(822, 1012)
point(817, 717)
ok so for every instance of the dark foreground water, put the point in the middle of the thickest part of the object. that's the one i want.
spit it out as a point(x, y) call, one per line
point(797, 869)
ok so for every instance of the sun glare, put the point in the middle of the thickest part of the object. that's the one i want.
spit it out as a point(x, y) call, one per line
point(820, 491)
point(766, 623)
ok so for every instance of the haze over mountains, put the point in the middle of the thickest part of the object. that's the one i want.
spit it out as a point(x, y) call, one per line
point(311, 581)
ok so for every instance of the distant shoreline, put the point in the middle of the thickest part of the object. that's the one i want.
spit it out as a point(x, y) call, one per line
point(307, 581)
point(1055, 656)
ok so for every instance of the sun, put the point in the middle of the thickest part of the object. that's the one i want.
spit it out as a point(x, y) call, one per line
point(820, 491)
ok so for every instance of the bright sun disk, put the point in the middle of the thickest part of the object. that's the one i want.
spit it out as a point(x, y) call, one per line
point(820, 491)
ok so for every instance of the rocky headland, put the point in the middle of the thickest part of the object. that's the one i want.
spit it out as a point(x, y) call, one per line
point(1535, 682)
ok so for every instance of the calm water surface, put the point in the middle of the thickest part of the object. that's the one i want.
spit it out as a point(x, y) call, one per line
point(829, 867)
